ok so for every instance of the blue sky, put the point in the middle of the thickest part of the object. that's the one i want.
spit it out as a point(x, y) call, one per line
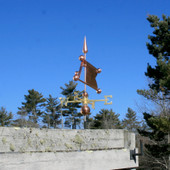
point(41, 40)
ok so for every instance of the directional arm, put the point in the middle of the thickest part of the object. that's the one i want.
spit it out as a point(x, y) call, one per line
point(92, 102)
point(85, 100)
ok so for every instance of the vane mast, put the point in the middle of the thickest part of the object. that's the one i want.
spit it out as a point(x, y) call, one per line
point(85, 108)
point(85, 50)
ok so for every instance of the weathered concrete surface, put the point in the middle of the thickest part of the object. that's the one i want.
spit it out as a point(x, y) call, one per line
point(44, 140)
point(29, 148)
point(85, 160)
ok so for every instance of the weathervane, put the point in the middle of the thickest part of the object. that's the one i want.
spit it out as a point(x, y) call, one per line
point(90, 73)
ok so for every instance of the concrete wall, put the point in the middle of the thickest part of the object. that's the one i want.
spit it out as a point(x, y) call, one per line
point(41, 149)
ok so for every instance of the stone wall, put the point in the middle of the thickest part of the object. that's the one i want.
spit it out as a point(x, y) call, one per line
point(40, 149)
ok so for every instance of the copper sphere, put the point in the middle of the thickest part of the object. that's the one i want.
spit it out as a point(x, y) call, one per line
point(85, 110)
point(99, 91)
point(76, 77)
point(81, 58)
point(99, 70)
point(85, 94)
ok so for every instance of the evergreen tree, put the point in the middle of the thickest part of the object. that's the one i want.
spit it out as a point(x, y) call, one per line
point(106, 119)
point(157, 147)
point(22, 120)
point(130, 122)
point(33, 105)
point(5, 117)
point(52, 114)
point(159, 47)
point(70, 112)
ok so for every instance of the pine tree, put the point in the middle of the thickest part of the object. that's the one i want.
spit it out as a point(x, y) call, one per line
point(5, 117)
point(157, 148)
point(52, 114)
point(106, 119)
point(130, 122)
point(70, 112)
point(22, 120)
point(160, 49)
point(33, 104)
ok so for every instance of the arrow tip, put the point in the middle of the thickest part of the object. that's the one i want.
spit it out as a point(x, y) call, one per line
point(85, 50)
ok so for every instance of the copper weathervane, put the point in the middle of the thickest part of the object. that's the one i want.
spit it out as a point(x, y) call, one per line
point(90, 73)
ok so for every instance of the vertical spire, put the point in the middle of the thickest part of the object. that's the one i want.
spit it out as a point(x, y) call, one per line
point(85, 50)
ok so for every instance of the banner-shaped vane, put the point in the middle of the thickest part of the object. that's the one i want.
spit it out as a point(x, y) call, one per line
point(90, 74)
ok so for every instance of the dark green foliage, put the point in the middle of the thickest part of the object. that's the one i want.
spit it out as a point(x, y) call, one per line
point(157, 144)
point(106, 119)
point(70, 112)
point(130, 122)
point(160, 49)
point(22, 112)
point(52, 114)
point(5, 117)
point(160, 41)
point(33, 104)
point(149, 94)
point(155, 133)
point(157, 147)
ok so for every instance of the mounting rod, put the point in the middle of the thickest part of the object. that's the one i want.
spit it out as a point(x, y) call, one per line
point(133, 153)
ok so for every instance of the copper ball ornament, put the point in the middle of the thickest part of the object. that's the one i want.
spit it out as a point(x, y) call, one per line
point(85, 110)
point(76, 77)
point(81, 58)
point(85, 94)
point(99, 70)
point(99, 91)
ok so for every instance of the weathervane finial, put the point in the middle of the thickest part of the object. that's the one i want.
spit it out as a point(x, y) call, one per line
point(85, 50)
